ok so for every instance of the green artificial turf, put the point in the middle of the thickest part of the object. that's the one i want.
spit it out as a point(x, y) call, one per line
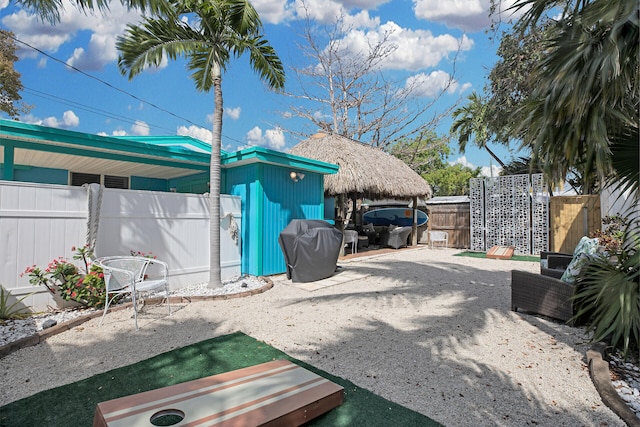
point(74, 404)
point(530, 258)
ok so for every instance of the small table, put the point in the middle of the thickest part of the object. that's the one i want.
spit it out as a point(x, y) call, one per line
point(273, 393)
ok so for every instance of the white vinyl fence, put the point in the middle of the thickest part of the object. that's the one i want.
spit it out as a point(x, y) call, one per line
point(39, 223)
point(615, 202)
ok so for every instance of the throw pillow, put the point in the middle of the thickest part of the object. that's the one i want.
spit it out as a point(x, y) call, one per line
point(585, 248)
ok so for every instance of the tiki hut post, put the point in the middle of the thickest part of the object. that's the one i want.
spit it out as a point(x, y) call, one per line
point(414, 227)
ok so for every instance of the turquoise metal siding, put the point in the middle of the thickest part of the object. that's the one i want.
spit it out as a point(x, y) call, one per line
point(149, 184)
point(196, 184)
point(285, 200)
point(39, 175)
point(242, 181)
point(271, 199)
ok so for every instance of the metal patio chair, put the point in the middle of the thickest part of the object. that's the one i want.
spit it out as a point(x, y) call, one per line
point(439, 236)
point(351, 238)
point(132, 275)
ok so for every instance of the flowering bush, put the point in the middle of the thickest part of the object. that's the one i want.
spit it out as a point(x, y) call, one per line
point(85, 286)
point(611, 238)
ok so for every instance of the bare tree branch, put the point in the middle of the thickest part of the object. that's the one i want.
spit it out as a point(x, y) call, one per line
point(347, 93)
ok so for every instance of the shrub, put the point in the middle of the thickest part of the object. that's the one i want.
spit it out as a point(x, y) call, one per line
point(11, 311)
point(608, 294)
point(612, 236)
point(85, 286)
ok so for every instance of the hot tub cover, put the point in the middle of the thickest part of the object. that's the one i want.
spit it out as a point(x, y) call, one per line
point(311, 249)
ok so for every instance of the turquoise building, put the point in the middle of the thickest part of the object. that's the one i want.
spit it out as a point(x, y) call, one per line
point(274, 187)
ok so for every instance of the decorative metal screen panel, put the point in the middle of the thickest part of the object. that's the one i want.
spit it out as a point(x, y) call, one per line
point(509, 211)
point(476, 207)
point(539, 215)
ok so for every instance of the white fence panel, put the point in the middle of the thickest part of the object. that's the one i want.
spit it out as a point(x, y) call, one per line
point(173, 226)
point(41, 222)
point(614, 202)
point(38, 223)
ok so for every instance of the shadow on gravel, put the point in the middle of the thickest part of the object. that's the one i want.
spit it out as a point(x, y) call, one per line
point(429, 365)
point(435, 361)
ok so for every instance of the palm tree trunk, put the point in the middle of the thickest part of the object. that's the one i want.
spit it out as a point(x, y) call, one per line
point(215, 274)
point(500, 162)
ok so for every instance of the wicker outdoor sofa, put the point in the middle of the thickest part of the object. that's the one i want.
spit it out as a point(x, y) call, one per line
point(556, 263)
point(540, 294)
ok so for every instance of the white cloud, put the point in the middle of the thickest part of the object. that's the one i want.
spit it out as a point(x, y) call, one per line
point(101, 51)
point(140, 128)
point(414, 49)
point(484, 170)
point(273, 138)
point(363, 4)
point(468, 15)
point(31, 30)
point(4, 3)
point(463, 161)
point(119, 132)
point(233, 113)
point(273, 11)
point(465, 87)
point(197, 132)
point(432, 84)
point(104, 29)
point(329, 11)
point(68, 120)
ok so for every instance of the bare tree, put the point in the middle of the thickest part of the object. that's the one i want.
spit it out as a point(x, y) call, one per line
point(347, 93)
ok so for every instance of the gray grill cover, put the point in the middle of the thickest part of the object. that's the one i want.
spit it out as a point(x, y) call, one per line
point(311, 249)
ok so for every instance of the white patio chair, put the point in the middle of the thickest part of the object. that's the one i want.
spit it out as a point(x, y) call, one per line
point(132, 275)
point(351, 238)
point(439, 236)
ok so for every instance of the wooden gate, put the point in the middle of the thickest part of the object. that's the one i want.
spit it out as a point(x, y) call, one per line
point(453, 216)
point(571, 218)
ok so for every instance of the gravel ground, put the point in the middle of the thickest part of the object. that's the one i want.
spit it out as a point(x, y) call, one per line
point(421, 327)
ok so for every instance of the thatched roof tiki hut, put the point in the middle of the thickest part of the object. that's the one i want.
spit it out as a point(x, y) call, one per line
point(365, 171)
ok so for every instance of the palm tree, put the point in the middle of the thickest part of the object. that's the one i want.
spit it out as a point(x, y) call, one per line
point(585, 102)
point(225, 28)
point(584, 113)
point(471, 121)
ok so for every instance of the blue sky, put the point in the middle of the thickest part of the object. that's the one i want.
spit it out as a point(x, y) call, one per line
point(164, 101)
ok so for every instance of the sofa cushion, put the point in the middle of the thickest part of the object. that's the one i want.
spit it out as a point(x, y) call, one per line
point(586, 247)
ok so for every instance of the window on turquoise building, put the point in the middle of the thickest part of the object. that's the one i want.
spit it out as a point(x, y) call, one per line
point(109, 181)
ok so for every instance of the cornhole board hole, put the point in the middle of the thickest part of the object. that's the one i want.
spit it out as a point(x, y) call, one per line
point(278, 393)
point(500, 252)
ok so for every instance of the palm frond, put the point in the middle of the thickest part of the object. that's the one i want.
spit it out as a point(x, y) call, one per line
point(145, 45)
point(266, 63)
point(608, 294)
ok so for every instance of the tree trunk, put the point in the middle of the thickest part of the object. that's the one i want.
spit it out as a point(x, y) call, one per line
point(215, 275)
point(500, 162)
